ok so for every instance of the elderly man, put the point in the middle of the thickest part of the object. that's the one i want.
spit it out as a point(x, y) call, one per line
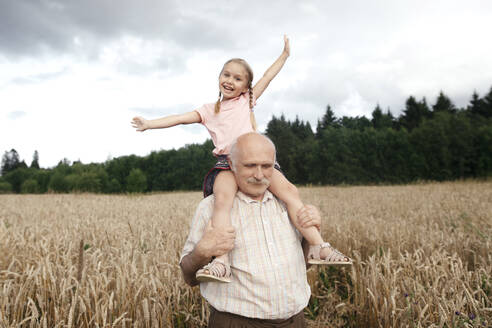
point(269, 286)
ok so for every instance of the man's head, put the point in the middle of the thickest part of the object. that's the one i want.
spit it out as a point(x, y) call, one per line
point(252, 159)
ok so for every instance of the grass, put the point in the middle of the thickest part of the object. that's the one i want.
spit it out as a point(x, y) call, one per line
point(422, 259)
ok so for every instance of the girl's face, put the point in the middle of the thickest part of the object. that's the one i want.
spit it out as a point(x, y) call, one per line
point(233, 80)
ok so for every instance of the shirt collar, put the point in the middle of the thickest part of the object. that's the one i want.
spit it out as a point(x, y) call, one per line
point(266, 197)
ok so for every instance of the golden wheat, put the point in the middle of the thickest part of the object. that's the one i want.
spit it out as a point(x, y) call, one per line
point(422, 258)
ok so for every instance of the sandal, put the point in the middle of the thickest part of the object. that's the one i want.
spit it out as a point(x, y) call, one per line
point(315, 258)
point(216, 271)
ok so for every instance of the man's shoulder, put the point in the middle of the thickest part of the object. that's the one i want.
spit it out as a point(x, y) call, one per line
point(207, 202)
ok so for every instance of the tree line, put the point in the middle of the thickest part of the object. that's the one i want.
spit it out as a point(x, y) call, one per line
point(425, 142)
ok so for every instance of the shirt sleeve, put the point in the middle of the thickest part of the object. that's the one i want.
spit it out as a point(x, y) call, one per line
point(202, 216)
point(204, 112)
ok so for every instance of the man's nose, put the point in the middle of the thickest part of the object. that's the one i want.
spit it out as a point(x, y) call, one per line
point(259, 173)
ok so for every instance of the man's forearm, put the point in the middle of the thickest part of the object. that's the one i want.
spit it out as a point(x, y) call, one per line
point(191, 263)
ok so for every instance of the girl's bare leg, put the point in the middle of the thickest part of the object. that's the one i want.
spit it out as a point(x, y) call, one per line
point(288, 193)
point(225, 189)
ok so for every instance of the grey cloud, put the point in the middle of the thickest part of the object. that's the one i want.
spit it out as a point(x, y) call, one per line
point(29, 27)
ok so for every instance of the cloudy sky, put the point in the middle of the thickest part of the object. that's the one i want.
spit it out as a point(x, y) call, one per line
point(74, 72)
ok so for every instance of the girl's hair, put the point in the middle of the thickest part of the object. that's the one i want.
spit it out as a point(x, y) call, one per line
point(250, 87)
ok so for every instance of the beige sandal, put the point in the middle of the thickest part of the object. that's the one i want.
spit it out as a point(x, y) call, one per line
point(315, 258)
point(216, 271)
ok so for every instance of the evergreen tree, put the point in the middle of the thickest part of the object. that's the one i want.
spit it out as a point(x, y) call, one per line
point(355, 123)
point(380, 120)
point(414, 113)
point(10, 161)
point(279, 130)
point(35, 160)
point(487, 104)
point(329, 120)
point(443, 104)
point(476, 104)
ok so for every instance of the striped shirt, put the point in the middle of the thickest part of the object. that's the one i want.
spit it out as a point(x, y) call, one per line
point(267, 262)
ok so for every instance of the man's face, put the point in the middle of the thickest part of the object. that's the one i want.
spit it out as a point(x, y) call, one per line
point(254, 167)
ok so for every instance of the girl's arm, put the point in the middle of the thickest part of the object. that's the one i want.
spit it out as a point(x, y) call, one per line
point(142, 124)
point(272, 71)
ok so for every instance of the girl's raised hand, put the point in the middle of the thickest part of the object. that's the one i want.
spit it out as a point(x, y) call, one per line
point(139, 123)
point(286, 45)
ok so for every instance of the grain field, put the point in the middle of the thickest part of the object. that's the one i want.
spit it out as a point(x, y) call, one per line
point(422, 258)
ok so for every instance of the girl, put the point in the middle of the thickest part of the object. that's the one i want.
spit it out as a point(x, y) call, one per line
point(227, 119)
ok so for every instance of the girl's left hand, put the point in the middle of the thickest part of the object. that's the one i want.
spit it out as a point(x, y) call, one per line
point(286, 45)
point(308, 216)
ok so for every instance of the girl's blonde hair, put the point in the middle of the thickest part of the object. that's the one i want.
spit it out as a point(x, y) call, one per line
point(250, 88)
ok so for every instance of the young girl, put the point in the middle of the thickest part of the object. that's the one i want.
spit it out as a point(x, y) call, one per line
point(227, 119)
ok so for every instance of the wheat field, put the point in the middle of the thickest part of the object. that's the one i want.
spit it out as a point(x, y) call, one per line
point(422, 258)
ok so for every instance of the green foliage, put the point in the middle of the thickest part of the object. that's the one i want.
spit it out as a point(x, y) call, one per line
point(17, 177)
point(30, 186)
point(114, 186)
point(43, 177)
point(136, 181)
point(5, 187)
point(58, 183)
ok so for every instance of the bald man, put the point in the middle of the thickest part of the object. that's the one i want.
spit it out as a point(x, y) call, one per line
point(268, 286)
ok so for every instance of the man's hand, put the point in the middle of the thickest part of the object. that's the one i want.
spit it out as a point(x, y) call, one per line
point(309, 216)
point(216, 241)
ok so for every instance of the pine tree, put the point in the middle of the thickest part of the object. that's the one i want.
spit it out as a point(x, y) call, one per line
point(328, 120)
point(380, 120)
point(443, 104)
point(35, 160)
point(10, 161)
point(487, 104)
point(414, 113)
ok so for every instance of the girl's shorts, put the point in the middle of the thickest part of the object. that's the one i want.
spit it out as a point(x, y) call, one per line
point(221, 165)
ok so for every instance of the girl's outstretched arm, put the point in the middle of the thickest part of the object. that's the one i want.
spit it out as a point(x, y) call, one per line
point(272, 71)
point(142, 124)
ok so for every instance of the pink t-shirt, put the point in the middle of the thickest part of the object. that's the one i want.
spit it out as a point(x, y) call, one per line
point(232, 121)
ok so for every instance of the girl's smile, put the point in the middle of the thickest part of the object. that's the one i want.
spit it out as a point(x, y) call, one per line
point(233, 80)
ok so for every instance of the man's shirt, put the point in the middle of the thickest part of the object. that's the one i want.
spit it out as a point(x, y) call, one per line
point(267, 262)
